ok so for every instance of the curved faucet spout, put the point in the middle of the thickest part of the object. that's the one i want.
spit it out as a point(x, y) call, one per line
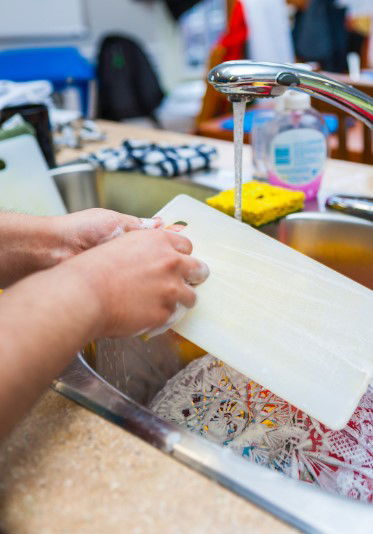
point(244, 79)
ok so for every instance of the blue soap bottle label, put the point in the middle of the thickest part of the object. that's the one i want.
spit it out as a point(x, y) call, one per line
point(297, 159)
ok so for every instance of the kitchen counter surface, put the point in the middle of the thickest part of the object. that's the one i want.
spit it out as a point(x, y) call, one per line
point(341, 176)
point(66, 470)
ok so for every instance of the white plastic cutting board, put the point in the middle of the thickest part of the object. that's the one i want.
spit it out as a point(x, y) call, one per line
point(291, 324)
point(25, 184)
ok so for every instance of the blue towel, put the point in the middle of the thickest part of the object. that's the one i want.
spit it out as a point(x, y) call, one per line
point(367, 74)
point(227, 124)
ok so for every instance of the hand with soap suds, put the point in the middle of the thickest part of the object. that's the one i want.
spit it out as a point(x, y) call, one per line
point(139, 280)
point(85, 229)
point(83, 276)
point(30, 243)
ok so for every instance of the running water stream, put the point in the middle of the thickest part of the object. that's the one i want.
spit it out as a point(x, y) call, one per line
point(238, 121)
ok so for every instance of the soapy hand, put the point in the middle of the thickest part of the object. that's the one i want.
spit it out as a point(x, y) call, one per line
point(138, 280)
point(85, 229)
point(122, 287)
point(31, 243)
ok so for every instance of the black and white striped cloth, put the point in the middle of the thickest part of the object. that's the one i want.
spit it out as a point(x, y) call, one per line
point(157, 159)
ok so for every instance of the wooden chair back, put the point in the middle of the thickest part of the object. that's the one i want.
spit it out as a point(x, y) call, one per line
point(362, 152)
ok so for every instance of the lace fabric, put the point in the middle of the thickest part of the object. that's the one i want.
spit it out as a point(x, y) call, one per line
point(217, 402)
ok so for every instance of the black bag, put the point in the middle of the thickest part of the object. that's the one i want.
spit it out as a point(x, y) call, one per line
point(178, 7)
point(127, 84)
point(320, 35)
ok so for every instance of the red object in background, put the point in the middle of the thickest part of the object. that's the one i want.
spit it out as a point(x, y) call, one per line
point(234, 40)
point(340, 461)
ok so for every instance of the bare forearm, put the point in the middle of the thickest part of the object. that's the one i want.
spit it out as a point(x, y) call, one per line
point(44, 320)
point(125, 286)
point(27, 244)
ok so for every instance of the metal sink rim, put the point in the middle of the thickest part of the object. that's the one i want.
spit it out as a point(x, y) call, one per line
point(307, 508)
point(281, 495)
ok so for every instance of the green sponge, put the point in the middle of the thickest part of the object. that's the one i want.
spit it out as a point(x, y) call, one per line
point(22, 129)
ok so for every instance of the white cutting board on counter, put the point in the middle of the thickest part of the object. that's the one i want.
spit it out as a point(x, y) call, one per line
point(25, 184)
point(286, 321)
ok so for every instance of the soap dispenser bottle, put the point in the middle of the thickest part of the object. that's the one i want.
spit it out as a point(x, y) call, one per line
point(262, 118)
point(296, 145)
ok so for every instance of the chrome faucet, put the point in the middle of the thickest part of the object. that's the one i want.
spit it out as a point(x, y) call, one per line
point(246, 80)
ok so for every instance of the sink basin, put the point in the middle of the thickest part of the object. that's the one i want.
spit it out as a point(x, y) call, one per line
point(341, 242)
point(119, 378)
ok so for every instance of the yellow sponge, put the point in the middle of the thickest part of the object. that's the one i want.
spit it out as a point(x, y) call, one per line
point(261, 203)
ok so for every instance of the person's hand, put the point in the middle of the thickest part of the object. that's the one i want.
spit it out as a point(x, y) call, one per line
point(137, 280)
point(32, 243)
point(83, 230)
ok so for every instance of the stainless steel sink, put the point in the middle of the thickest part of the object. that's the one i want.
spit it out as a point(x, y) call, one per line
point(341, 242)
point(120, 388)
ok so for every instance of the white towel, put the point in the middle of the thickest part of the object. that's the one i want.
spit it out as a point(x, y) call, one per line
point(18, 93)
point(269, 31)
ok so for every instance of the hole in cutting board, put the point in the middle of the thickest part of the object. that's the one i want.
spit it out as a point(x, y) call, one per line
point(177, 226)
point(2, 164)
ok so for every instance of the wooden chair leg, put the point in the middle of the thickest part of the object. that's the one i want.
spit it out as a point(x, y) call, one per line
point(342, 138)
point(367, 156)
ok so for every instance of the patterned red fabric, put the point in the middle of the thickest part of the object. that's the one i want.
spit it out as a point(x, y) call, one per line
point(235, 38)
point(217, 402)
point(340, 461)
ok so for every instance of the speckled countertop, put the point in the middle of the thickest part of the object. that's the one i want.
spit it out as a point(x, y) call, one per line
point(66, 470)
